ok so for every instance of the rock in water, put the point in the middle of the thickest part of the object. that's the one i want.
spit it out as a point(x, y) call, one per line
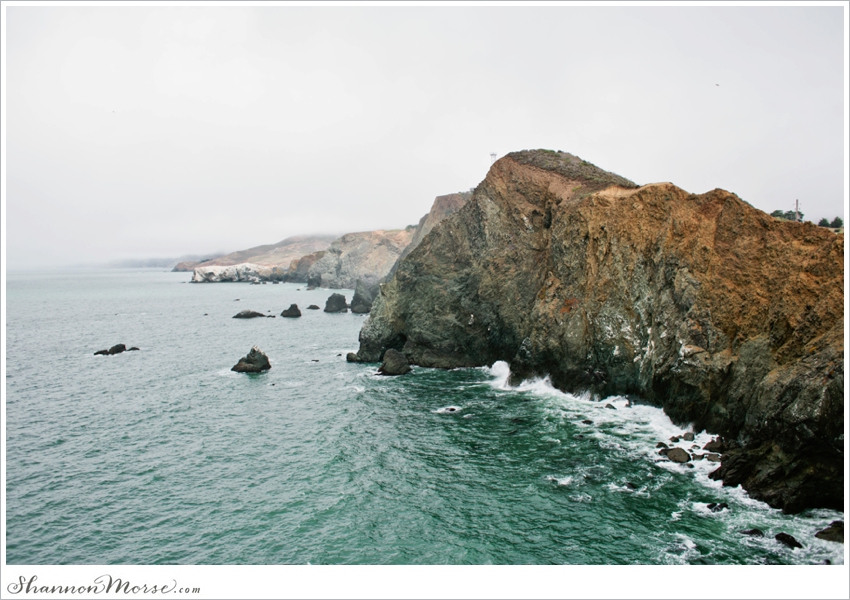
point(248, 314)
point(336, 303)
point(833, 533)
point(255, 362)
point(753, 532)
point(116, 349)
point(312, 307)
point(292, 311)
point(728, 319)
point(678, 455)
point(788, 540)
point(395, 363)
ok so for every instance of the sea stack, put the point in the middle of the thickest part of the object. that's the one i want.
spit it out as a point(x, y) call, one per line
point(336, 303)
point(729, 319)
point(255, 362)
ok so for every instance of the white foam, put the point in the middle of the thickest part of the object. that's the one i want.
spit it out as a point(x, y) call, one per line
point(501, 373)
point(448, 410)
point(635, 430)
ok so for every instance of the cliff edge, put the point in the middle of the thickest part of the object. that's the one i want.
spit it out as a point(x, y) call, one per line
point(701, 304)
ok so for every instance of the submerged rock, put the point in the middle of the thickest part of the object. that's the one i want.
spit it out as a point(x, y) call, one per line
point(725, 317)
point(395, 363)
point(255, 362)
point(753, 532)
point(336, 303)
point(833, 533)
point(248, 314)
point(788, 540)
point(116, 349)
point(291, 312)
point(134, 348)
point(312, 307)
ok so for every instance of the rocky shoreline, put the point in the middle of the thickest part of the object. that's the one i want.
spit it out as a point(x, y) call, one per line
point(729, 320)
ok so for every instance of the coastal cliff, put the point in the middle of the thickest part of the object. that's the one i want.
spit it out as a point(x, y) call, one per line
point(367, 255)
point(701, 304)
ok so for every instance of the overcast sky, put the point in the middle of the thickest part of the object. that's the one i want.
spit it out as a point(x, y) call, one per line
point(137, 132)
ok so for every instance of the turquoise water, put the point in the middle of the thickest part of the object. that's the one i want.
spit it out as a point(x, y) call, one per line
point(164, 456)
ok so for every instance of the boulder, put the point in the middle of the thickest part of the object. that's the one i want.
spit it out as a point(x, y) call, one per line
point(587, 422)
point(678, 455)
point(788, 540)
point(395, 363)
point(712, 457)
point(336, 303)
point(248, 314)
point(292, 311)
point(715, 507)
point(351, 357)
point(611, 406)
point(688, 437)
point(833, 533)
point(312, 307)
point(661, 445)
point(132, 349)
point(101, 352)
point(117, 349)
point(674, 439)
point(255, 362)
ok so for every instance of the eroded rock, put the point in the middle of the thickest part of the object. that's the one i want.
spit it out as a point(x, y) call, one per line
point(291, 312)
point(255, 361)
point(336, 303)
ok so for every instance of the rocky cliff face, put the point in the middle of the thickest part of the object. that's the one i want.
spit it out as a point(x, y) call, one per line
point(701, 304)
point(299, 269)
point(367, 255)
point(443, 207)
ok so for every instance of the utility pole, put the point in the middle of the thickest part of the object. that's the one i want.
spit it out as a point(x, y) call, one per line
point(797, 211)
point(492, 158)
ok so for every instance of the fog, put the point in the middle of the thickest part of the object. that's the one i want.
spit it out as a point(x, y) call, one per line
point(139, 132)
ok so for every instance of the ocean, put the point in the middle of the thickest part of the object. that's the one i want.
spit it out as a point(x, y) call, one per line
point(165, 457)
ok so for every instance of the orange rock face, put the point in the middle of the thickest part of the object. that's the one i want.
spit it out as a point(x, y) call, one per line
point(702, 304)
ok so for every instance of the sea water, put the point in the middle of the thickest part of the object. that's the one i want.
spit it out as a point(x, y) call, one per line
point(165, 456)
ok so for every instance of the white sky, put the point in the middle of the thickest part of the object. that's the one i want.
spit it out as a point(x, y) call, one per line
point(137, 132)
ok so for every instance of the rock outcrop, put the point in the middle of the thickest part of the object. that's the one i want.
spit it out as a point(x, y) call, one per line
point(292, 312)
point(255, 362)
point(336, 303)
point(367, 255)
point(247, 272)
point(728, 319)
point(116, 349)
point(248, 314)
